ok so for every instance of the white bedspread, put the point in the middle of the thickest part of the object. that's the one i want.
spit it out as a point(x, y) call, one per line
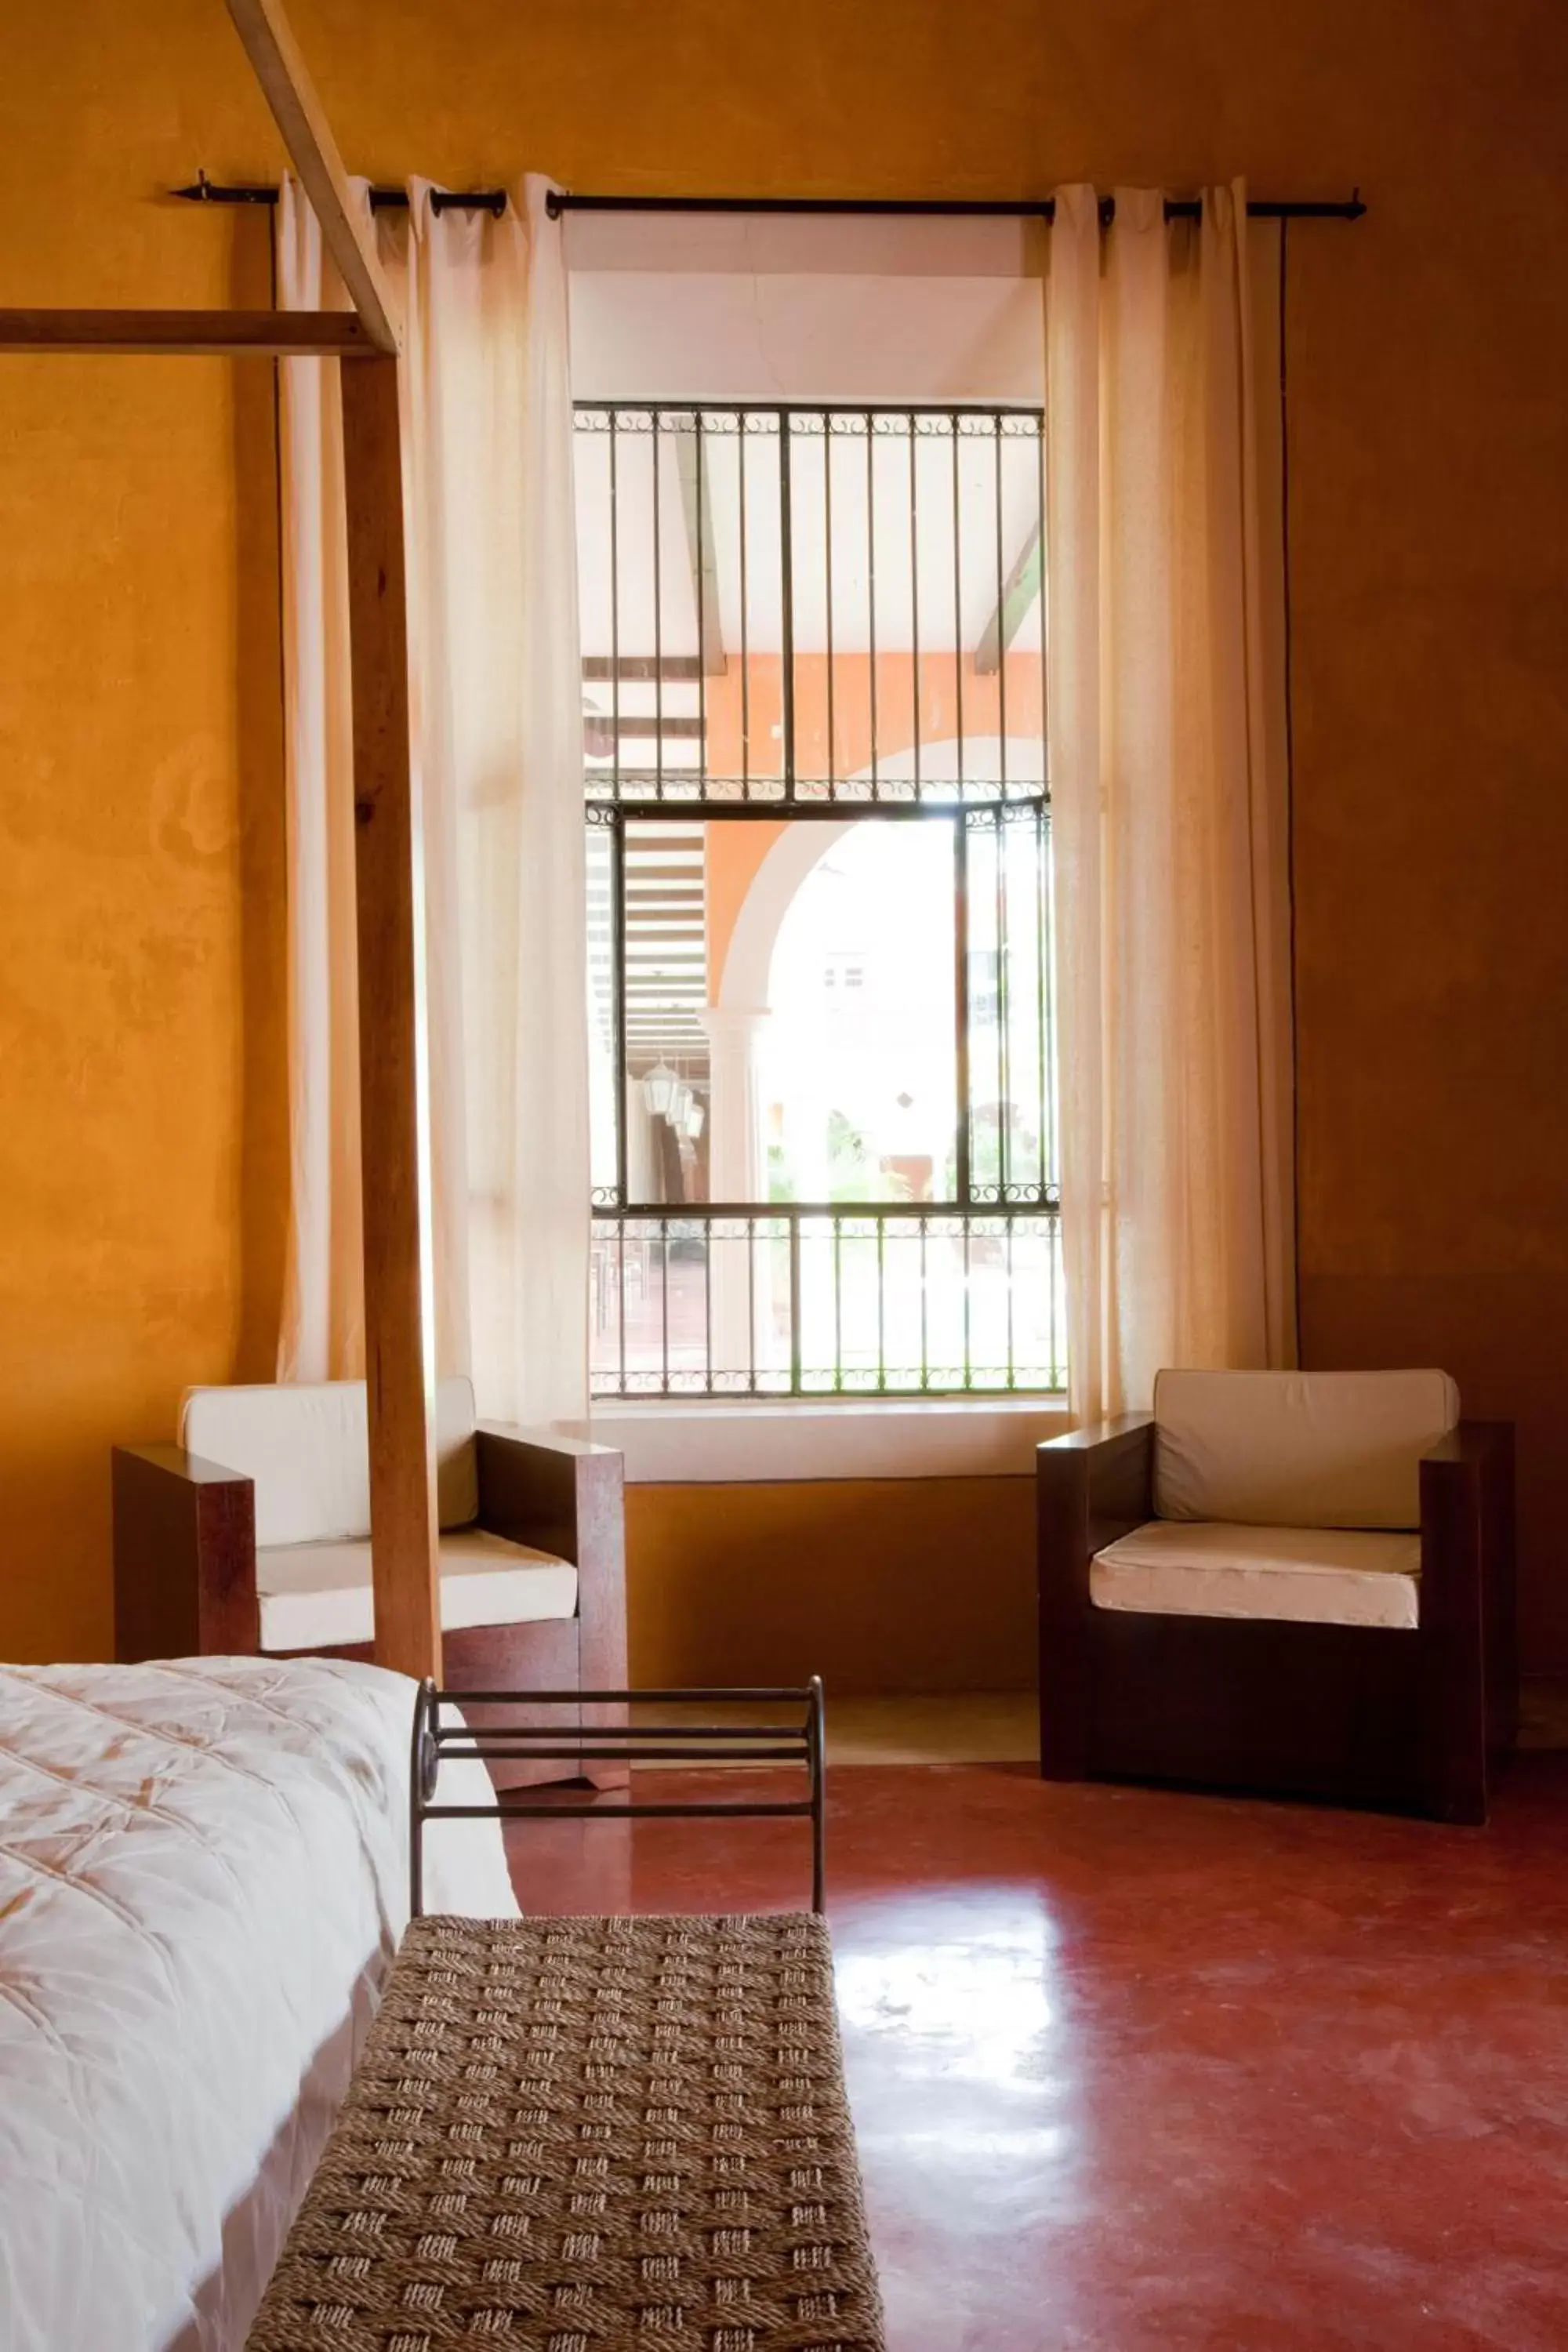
point(204, 1874)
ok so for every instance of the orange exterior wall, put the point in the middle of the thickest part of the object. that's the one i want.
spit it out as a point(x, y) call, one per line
point(732, 855)
point(957, 703)
point(142, 1149)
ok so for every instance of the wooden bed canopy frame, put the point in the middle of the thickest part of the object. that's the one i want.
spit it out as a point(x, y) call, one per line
point(388, 852)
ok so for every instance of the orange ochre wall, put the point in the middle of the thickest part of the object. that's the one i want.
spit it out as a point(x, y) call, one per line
point(891, 1584)
point(143, 1152)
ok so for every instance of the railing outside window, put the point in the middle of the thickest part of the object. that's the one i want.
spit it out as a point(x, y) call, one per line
point(831, 618)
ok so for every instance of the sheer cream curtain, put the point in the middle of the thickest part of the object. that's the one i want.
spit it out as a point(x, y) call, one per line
point(496, 687)
point(1169, 808)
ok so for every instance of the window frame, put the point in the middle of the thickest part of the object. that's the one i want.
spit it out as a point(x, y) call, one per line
point(970, 807)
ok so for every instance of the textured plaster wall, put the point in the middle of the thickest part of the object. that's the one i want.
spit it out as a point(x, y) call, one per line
point(141, 1163)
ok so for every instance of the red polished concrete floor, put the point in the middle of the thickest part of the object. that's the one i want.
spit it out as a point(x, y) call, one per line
point(1135, 2071)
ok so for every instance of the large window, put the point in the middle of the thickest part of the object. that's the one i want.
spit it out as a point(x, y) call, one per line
point(819, 871)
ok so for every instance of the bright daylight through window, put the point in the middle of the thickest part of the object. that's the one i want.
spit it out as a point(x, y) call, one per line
point(824, 1135)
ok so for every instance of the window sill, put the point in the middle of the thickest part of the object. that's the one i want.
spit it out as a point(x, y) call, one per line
point(704, 1441)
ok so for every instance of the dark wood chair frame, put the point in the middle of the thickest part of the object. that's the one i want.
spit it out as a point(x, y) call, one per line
point(184, 1572)
point(1404, 1721)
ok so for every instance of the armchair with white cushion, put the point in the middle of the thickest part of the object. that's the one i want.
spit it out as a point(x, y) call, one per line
point(252, 1535)
point(1297, 1583)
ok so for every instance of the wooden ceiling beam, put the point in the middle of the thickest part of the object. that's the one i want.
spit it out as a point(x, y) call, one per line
point(203, 334)
point(1019, 592)
point(288, 88)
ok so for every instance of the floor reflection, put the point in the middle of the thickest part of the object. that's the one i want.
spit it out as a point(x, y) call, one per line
point(965, 2000)
point(966, 2092)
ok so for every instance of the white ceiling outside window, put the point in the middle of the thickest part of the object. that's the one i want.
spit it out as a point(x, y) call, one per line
point(677, 307)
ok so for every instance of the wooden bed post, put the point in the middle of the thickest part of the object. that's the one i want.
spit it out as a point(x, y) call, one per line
point(389, 892)
point(394, 1077)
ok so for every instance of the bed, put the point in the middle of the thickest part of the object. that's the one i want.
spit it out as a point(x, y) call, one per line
point(203, 1879)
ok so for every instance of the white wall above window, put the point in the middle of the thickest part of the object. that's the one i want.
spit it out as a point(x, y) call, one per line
point(672, 307)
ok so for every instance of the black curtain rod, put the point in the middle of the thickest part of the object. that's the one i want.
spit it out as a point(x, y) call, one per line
point(493, 200)
point(562, 200)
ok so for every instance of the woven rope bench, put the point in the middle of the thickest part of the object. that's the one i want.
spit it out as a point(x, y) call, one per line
point(590, 2136)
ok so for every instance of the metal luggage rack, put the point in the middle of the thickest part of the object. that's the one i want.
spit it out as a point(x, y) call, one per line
point(624, 1742)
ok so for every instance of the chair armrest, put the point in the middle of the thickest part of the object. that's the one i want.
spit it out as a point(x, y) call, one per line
point(1467, 1492)
point(539, 1489)
point(1096, 1434)
point(184, 1557)
point(1481, 1442)
point(565, 1497)
point(1097, 1483)
point(1091, 1487)
point(1468, 1545)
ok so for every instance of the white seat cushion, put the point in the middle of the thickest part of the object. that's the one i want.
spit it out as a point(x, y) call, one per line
point(306, 1446)
point(316, 1596)
point(1318, 1576)
point(1297, 1449)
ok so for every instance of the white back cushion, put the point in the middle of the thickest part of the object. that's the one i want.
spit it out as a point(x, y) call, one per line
point(306, 1446)
point(1297, 1449)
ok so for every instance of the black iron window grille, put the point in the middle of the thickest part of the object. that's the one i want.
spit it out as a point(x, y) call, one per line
point(825, 1087)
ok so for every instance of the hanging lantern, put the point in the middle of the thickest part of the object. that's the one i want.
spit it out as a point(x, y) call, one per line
point(679, 1104)
point(694, 1120)
point(658, 1088)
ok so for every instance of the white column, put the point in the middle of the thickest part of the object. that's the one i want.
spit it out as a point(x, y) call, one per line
point(737, 1139)
point(740, 1297)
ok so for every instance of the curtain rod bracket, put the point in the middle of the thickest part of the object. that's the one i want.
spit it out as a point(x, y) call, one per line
point(203, 191)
